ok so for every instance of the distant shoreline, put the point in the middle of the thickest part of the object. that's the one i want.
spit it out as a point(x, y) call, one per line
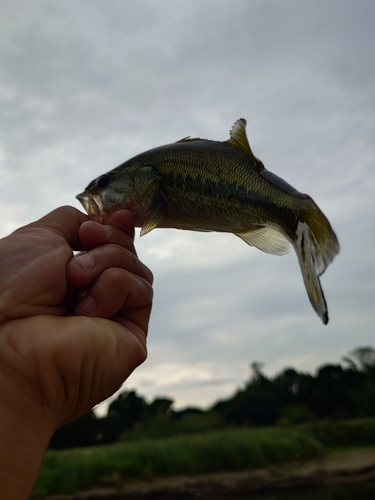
point(341, 467)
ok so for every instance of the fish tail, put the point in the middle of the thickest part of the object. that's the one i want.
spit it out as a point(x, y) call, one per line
point(316, 246)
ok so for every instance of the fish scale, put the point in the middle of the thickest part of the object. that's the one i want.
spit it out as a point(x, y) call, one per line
point(193, 182)
point(224, 193)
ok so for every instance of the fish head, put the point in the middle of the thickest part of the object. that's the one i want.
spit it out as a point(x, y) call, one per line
point(92, 197)
point(132, 187)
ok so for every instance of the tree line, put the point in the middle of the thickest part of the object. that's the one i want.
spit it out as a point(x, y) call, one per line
point(335, 392)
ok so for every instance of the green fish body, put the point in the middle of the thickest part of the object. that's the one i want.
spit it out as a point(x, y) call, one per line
point(204, 185)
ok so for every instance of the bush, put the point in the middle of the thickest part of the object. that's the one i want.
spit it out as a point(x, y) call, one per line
point(161, 426)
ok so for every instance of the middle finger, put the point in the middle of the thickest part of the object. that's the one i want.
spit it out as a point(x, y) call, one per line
point(84, 268)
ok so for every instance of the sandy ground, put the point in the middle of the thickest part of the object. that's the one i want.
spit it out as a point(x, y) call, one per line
point(346, 467)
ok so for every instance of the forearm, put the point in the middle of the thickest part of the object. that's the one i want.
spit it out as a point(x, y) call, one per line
point(26, 426)
point(23, 444)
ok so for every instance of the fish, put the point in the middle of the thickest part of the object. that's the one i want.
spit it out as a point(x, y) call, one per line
point(205, 185)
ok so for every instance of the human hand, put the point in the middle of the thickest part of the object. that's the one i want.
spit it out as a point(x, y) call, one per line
point(69, 334)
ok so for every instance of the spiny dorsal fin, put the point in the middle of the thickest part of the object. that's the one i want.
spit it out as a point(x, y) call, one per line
point(238, 137)
point(192, 139)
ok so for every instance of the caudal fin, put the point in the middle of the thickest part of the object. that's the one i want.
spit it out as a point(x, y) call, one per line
point(316, 246)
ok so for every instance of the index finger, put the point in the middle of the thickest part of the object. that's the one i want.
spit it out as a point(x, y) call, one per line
point(119, 231)
point(64, 221)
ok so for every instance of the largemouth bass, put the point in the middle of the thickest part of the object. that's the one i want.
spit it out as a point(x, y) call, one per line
point(204, 185)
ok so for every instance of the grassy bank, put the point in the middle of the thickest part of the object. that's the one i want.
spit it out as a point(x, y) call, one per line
point(73, 470)
point(77, 469)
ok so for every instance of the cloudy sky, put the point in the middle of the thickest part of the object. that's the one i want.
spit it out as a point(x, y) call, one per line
point(86, 85)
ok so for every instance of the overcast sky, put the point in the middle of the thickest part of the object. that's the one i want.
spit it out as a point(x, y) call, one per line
point(86, 85)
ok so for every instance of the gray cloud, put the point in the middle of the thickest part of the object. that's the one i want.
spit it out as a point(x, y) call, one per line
point(84, 86)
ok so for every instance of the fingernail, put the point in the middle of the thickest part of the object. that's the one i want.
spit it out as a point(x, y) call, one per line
point(85, 261)
point(87, 306)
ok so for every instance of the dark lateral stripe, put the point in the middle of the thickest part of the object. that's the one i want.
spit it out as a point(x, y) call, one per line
point(178, 188)
point(204, 186)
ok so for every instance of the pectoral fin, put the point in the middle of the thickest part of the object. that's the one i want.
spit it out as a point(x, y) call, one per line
point(154, 218)
point(266, 239)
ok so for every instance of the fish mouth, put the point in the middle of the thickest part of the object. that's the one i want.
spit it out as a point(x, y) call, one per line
point(92, 203)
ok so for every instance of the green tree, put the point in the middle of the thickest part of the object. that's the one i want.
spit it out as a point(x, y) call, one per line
point(361, 359)
point(123, 412)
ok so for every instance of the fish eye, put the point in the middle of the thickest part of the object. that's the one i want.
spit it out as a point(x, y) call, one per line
point(102, 181)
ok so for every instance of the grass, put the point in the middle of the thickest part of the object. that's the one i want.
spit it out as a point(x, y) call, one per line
point(345, 433)
point(73, 470)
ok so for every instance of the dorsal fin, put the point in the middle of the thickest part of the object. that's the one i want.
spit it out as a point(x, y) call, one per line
point(192, 139)
point(238, 137)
